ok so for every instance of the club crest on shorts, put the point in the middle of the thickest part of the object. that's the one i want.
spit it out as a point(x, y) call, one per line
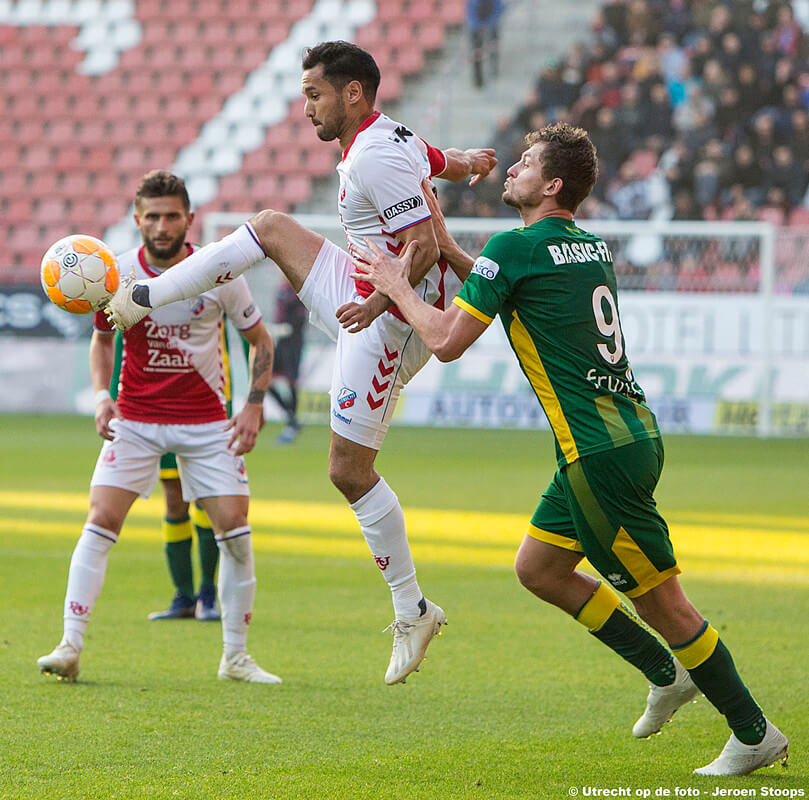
point(346, 398)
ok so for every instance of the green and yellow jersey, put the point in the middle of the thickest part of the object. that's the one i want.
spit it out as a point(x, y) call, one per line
point(554, 287)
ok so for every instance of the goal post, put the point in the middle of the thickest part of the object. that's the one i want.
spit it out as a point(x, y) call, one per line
point(715, 317)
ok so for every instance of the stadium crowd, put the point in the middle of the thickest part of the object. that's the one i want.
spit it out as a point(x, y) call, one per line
point(699, 110)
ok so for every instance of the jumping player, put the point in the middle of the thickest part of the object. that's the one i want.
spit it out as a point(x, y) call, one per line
point(554, 287)
point(380, 196)
point(171, 399)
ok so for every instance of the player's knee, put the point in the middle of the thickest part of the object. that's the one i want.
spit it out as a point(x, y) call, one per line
point(349, 481)
point(106, 516)
point(266, 224)
point(530, 575)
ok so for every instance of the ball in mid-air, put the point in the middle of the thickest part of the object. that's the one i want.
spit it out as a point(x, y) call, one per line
point(79, 273)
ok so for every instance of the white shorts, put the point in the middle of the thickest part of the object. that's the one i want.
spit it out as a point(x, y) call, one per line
point(207, 468)
point(370, 367)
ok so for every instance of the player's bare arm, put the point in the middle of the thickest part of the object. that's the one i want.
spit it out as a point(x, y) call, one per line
point(461, 164)
point(356, 316)
point(245, 425)
point(102, 358)
point(459, 260)
point(447, 333)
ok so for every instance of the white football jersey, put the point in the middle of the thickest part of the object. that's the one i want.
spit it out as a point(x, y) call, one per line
point(380, 192)
point(173, 369)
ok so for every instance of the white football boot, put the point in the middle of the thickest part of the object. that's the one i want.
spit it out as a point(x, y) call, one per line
point(241, 667)
point(63, 662)
point(741, 759)
point(410, 640)
point(122, 311)
point(663, 701)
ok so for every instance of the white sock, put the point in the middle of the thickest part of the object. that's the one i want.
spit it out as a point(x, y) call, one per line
point(237, 587)
point(383, 526)
point(211, 266)
point(85, 579)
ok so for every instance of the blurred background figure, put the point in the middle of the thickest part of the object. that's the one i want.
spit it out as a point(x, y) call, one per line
point(290, 320)
point(483, 20)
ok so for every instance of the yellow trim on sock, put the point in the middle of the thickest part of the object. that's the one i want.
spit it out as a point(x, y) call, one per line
point(598, 609)
point(540, 534)
point(199, 517)
point(700, 651)
point(169, 474)
point(177, 531)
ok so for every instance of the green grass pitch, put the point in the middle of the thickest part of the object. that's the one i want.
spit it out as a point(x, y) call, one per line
point(515, 700)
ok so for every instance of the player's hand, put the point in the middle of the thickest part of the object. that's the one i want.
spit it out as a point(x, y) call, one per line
point(442, 235)
point(356, 316)
point(383, 271)
point(106, 411)
point(482, 160)
point(244, 428)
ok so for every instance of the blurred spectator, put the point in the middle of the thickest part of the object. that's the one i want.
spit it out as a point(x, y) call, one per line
point(483, 22)
point(698, 109)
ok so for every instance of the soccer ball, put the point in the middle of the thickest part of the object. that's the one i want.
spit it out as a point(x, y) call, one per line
point(79, 274)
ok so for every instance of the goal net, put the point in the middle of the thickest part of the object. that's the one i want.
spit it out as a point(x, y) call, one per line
point(715, 317)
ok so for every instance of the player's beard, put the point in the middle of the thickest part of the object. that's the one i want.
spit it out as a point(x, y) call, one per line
point(329, 131)
point(164, 252)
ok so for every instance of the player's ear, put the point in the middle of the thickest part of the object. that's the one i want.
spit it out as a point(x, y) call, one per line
point(190, 216)
point(352, 92)
point(554, 187)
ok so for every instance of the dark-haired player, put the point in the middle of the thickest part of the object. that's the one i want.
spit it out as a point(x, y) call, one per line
point(554, 287)
point(171, 399)
point(380, 196)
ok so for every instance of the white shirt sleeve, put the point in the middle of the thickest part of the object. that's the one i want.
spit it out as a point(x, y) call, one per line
point(238, 304)
point(391, 181)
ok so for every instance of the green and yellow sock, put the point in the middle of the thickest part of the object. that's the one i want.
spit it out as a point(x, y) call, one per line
point(712, 669)
point(177, 534)
point(208, 551)
point(618, 628)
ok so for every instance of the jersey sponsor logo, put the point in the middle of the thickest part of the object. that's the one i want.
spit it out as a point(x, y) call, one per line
point(616, 579)
point(346, 398)
point(486, 268)
point(157, 331)
point(402, 206)
point(615, 384)
point(171, 362)
point(400, 134)
point(579, 252)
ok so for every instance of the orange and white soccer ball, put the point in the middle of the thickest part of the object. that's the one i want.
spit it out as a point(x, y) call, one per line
point(79, 273)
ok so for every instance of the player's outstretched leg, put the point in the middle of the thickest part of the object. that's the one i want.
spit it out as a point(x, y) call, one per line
point(210, 266)
point(85, 579)
point(237, 590)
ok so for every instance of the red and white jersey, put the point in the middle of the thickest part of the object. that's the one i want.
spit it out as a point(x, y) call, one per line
point(173, 370)
point(380, 192)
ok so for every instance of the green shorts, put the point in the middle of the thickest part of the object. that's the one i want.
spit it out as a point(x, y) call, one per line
point(603, 507)
point(168, 467)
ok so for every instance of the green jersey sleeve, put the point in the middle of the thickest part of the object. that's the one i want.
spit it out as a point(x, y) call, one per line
point(493, 276)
